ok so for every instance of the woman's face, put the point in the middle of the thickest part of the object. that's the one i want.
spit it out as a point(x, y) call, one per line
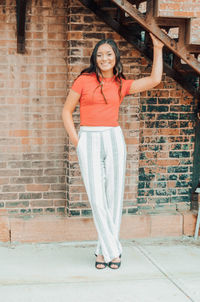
point(105, 58)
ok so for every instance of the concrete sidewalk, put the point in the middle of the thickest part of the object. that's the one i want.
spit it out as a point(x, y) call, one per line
point(152, 270)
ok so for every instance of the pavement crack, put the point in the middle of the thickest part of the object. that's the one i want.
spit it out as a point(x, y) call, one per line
point(154, 262)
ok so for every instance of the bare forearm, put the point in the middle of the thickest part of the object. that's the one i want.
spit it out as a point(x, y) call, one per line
point(69, 126)
point(155, 77)
point(157, 68)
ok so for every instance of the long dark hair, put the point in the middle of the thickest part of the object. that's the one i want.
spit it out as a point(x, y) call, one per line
point(117, 70)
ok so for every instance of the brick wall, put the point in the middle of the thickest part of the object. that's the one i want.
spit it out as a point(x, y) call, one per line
point(39, 169)
point(189, 9)
point(166, 148)
point(32, 93)
point(180, 8)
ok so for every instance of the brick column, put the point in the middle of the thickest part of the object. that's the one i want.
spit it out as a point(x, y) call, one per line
point(32, 94)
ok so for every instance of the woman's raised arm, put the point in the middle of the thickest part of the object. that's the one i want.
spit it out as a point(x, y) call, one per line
point(154, 79)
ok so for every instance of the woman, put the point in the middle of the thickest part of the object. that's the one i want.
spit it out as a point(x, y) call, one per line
point(100, 144)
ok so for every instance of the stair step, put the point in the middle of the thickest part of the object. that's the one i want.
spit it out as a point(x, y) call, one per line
point(193, 48)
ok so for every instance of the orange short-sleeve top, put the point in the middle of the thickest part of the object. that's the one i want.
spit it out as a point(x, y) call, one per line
point(94, 111)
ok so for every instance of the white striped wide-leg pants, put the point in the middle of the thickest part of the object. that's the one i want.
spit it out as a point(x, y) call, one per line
point(102, 158)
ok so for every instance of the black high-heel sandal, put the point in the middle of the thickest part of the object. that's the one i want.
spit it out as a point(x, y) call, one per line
point(115, 263)
point(100, 263)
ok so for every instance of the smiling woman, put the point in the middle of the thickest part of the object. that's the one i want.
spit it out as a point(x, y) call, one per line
point(106, 60)
point(100, 144)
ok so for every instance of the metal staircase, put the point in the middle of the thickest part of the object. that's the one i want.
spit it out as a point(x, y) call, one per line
point(181, 59)
point(134, 19)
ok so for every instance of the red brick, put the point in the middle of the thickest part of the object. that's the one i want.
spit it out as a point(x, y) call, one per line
point(34, 141)
point(18, 133)
point(4, 181)
point(74, 35)
point(168, 162)
point(169, 132)
point(37, 187)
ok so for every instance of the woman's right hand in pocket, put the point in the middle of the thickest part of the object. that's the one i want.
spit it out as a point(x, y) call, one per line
point(76, 144)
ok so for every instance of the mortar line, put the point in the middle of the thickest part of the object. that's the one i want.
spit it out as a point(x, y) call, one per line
point(153, 261)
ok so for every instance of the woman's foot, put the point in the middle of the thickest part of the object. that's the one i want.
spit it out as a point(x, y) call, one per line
point(115, 263)
point(100, 262)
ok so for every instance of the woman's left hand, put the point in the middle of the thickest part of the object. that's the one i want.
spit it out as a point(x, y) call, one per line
point(156, 42)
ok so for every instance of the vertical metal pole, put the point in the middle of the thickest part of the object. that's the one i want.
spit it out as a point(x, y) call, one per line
point(198, 220)
point(21, 20)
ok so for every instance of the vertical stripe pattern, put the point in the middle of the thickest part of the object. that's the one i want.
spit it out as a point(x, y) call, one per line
point(102, 158)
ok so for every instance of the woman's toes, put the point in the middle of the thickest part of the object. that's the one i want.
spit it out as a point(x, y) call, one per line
point(100, 265)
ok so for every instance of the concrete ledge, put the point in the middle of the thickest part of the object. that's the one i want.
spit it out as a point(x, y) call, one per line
point(4, 226)
point(189, 223)
point(135, 226)
point(52, 228)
